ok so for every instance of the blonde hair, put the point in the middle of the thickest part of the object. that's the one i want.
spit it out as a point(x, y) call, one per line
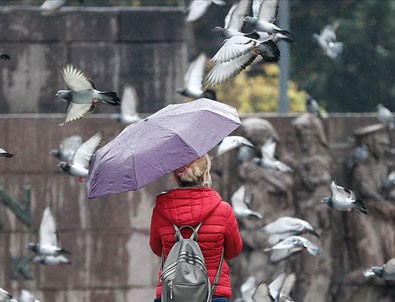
point(195, 173)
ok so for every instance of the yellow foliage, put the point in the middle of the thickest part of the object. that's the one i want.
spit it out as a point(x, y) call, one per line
point(260, 93)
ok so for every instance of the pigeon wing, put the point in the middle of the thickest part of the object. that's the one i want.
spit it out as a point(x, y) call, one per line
point(223, 71)
point(129, 101)
point(77, 111)
point(256, 5)
point(69, 146)
point(235, 18)
point(268, 11)
point(389, 267)
point(75, 79)
point(261, 293)
point(276, 285)
point(48, 233)
point(233, 48)
point(86, 151)
point(269, 148)
point(247, 288)
point(26, 296)
point(194, 76)
point(232, 142)
point(287, 285)
point(50, 7)
point(197, 8)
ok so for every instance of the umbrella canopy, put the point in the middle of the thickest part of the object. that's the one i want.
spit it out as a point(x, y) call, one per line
point(159, 144)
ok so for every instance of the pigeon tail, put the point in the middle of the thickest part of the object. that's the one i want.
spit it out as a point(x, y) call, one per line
point(268, 51)
point(63, 251)
point(360, 205)
point(110, 97)
point(283, 31)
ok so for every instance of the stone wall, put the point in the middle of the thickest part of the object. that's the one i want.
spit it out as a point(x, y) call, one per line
point(142, 47)
point(108, 237)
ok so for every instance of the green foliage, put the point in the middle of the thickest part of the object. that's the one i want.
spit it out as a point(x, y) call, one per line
point(259, 93)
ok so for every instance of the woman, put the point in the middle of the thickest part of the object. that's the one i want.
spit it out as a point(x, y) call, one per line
point(192, 202)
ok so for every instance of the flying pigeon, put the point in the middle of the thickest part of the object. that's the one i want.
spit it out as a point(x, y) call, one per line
point(290, 246)
point(67, 148)
point(51, 260)
point(231, 142)
point(247, 289)
point(27, 296)
point(82, 96)
point(327, 41)
point(50, 7)
point(264, 18)
point(80, 162)
point(236, 54)
point(284, 227)
point(197, 8)
point(234, 20)
point(5, 296)
point(240, 201)
point(193, 79)
point(128, 113)
point(386, 272)
point(344, 200)
point(4, 56)
point(279, 290)
point(267, 159)
point(385, 116)
point(48, 244)
point(4, 153)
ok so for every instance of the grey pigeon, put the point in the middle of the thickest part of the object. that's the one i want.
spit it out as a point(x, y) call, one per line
point(385, 116)
point(358, 156)
point(284, 227)
point(51, 260)
point(5, 296)
point(240, 201)
point(344, 200)
point(231, 142)
point(267, 159)
point(313, 107)
point(27, 296)
point(386, 272)
point(67, 148)
point(327, 41)
point(197, 8)
point(80, 162)
point(236, 54)
point(4, 56)
point(264, 18)
point(48, 243)
point(291, 245)
point(234, 20)
point(4, 153)
point(128, 113)
point(193, 79)
point(50, 7)
point(82, 96)
point(389, 181)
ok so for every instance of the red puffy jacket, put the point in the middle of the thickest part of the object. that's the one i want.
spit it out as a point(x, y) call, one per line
point(190, 206)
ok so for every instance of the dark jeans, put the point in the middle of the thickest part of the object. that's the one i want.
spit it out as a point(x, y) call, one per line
point(215, 299)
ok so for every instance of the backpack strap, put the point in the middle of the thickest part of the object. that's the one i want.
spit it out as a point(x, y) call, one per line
point(194, 235)
point(216, 279)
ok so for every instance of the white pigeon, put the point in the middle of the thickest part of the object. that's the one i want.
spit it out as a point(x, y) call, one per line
point(232, 142)
point(27, 296)
point(240, 201)
point(264, 18)
point(67, 148)
point(344, 200)
point(82, 95)
point(384, 115)
point(197, 8)
point(290, 246)
point(236, 54)
point(4, 153)
point(284, 227)
point(193, 79)
point(268, 160)
point(51, 260)
point(234, 20)
point(5, 296)
point(386, 272)
point(129, 102)
point(247, 289)
point(48, 244)
point(50, 7)
point(80, 162)
point(328, 42)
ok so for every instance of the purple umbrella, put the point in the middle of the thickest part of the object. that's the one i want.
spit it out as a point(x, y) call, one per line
point(159, 144)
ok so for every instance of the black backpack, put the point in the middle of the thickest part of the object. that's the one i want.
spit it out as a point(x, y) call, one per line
point(184, 274)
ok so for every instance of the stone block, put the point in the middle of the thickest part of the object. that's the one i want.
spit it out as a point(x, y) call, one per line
point(152, 24)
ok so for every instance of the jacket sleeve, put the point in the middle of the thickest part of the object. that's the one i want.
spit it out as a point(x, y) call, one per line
point(155, 240)
point(233, 242)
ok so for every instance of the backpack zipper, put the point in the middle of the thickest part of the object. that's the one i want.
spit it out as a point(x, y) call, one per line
point(171, 290)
